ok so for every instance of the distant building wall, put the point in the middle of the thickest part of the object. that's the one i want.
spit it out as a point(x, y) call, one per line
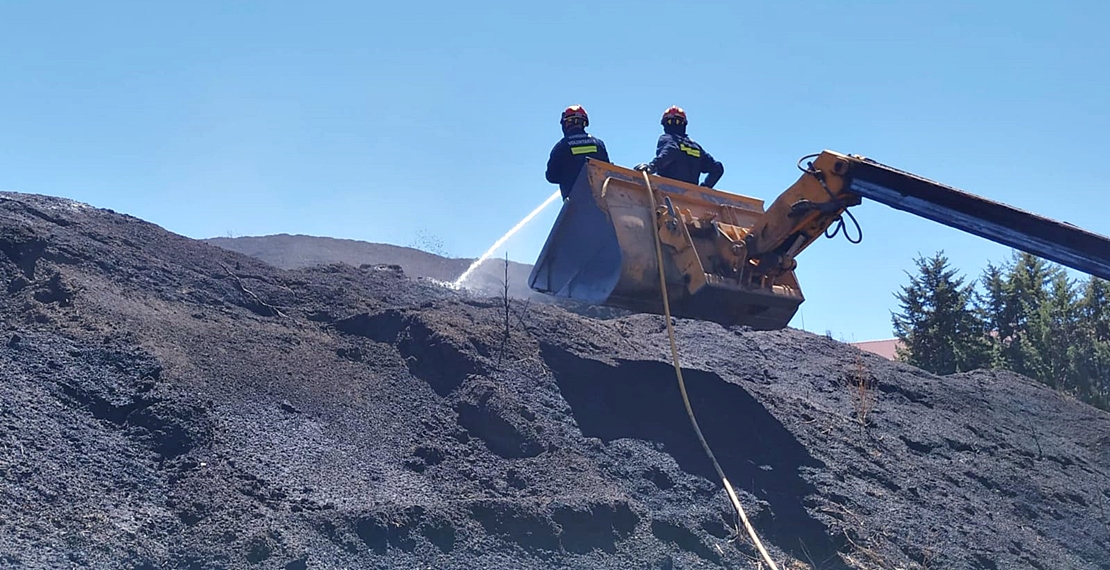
point(884, 348)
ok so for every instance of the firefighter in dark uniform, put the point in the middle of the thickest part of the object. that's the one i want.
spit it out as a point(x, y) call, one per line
point(571, 151)
point(677, 156)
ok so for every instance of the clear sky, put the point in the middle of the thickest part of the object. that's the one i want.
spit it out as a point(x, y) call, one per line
point(383, 121)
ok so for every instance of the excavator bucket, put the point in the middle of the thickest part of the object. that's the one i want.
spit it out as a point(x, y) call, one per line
point(602, 251)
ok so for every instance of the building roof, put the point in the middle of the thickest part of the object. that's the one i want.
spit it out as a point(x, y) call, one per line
point(884, 348)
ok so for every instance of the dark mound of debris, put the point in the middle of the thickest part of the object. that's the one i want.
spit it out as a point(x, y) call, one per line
point(166, 403)
point(492, 277)
point(301, 251)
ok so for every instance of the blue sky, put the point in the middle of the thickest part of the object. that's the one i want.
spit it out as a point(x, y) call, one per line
point(386, 121)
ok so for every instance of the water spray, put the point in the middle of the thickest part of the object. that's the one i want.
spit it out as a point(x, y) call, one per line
point(458, 282)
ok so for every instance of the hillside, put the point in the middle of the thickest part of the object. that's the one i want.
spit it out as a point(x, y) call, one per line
point(301, 251)
point(167, 403)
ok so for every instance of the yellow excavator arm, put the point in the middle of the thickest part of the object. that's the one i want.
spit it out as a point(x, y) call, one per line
point(729, 260)
point(800, 215)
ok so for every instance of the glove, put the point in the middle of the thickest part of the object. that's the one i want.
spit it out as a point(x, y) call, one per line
point(643, 167)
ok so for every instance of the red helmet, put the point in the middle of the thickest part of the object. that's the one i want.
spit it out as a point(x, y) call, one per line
point(673, 116)
point(574, 114)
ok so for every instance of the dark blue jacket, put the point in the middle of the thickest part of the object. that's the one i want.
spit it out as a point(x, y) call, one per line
point(677, 156)
point(570, 154)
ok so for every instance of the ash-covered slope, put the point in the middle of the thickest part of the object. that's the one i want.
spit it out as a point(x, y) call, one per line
point(170, 404)
point(301, 251)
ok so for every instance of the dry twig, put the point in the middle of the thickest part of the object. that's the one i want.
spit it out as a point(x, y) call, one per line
point(863, 396)
point(252, 295)
point(505, 302)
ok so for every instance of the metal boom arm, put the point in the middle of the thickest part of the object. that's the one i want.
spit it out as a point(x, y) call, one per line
point(841, 179)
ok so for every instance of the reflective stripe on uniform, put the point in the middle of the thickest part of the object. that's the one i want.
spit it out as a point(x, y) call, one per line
point(583, 149)
point(694, 152)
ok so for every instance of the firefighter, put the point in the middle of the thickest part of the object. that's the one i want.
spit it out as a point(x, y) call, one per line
point(571, 152)
point(678, 156)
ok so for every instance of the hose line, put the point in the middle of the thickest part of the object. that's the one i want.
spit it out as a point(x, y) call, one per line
point(682, 383)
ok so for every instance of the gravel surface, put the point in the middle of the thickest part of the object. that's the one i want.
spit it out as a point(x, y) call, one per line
point(167, 403)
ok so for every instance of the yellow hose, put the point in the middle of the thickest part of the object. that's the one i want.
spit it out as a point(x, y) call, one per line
point(682, 384)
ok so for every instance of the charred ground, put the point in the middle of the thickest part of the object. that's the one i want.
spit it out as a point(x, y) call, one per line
point(301, 251)
point(166, 403)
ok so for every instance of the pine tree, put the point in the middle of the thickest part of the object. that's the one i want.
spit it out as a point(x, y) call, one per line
point(1030, 318)
point(1092, 352)
point(1011, 308)
point(1094, 308)
point(938, 329)
point(994, 310)
point(1058, 329)
point(1027, 293)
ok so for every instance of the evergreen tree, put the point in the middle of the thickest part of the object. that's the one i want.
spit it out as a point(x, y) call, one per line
point(1011, 309)
point(1058, 329)
point(1027, 293)
point(1092, 352)
point(993, 307)
point(939, 330)
point(1030, 318)
point(1094, 310)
